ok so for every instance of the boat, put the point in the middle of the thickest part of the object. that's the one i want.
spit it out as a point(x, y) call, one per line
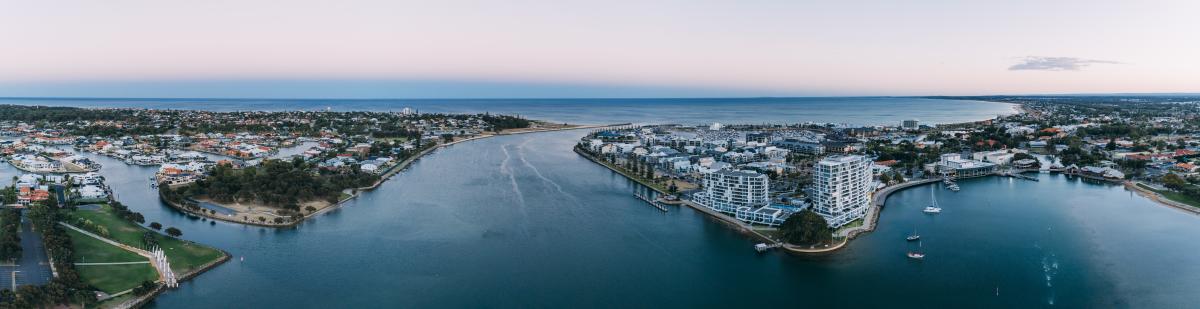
point(913, 236)
point(933, 207)
point(916, 255)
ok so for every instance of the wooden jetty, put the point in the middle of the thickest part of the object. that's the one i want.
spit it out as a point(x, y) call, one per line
point(1018, 176)
point(650, 201)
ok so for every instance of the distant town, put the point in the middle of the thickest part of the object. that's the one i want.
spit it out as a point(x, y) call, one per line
point(811, 187)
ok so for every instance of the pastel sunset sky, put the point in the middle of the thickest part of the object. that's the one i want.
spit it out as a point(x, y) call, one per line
point(527, 49)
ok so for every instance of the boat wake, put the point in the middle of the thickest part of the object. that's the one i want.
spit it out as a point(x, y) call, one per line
point(1050, 271)
point(512, 180)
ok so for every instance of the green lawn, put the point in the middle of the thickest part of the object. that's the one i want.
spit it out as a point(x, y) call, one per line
point(91, 250)
point(1174, 196)
point(771, 232)
point(852, 224)
point(116, 278)
point(108, 278)
point(183, 255)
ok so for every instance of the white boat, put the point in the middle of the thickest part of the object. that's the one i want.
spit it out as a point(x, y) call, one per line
point(933, 207)
point(913, 236)
point(917, 255)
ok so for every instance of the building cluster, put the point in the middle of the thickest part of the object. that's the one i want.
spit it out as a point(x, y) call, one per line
point(80, 188)
point(737, 169)
point(177, 175)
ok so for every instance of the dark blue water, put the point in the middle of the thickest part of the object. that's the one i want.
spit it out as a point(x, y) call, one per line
point(521, 221)
point(842, 110)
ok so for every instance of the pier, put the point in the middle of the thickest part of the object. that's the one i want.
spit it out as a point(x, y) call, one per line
point(762, 247)
point(1016, 175)
point(650, 201)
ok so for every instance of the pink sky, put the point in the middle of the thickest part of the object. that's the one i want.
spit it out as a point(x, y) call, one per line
point(769, 47)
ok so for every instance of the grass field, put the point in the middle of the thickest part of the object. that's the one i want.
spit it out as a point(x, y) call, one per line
point(183, 255)
point(1174, 196)
point(108, 278)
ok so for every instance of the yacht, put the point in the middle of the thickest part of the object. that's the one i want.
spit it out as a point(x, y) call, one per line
point(917, 255)
point(913, 236)
point(933, 207)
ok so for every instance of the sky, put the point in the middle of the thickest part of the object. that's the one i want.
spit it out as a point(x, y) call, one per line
point(541, 49)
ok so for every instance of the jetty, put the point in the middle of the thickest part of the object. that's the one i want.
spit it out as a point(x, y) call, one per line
point(650, 201)
point(762, 247)
point(1016, 175)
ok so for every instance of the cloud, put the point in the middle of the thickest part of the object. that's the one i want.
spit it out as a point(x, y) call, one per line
point(1056, 63)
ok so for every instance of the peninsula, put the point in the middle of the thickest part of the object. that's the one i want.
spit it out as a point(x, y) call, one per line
point(811, 187)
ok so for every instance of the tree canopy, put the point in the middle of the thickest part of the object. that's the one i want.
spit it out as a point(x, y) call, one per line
point(277, 183)
point(806, 228)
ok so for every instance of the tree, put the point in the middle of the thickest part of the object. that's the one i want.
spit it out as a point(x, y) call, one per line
point(806, 228)
point(884, 178)
point(1112, 144)
point(1173, 182)
point(155, 225)
point(174, 232)
point(144, 288)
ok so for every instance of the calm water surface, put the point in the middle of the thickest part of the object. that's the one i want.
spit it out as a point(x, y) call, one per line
point(521, 221)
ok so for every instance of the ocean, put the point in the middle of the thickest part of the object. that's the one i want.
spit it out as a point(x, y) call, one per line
point(838, 110)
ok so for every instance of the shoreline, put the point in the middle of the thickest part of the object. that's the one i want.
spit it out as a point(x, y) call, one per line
point(1136, 187)
point(395, 169)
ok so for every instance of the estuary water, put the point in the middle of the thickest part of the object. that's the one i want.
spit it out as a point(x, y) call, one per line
point(522, 221)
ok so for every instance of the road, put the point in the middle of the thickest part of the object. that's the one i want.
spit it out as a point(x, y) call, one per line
point(33, 267)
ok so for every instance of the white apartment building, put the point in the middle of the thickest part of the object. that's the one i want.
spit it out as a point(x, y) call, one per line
point(842, 187)
point(727, 190)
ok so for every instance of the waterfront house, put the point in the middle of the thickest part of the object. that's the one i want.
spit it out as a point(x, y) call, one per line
point(953, 164)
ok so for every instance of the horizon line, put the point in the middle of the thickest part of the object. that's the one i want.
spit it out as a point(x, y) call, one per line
point(600, 98)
